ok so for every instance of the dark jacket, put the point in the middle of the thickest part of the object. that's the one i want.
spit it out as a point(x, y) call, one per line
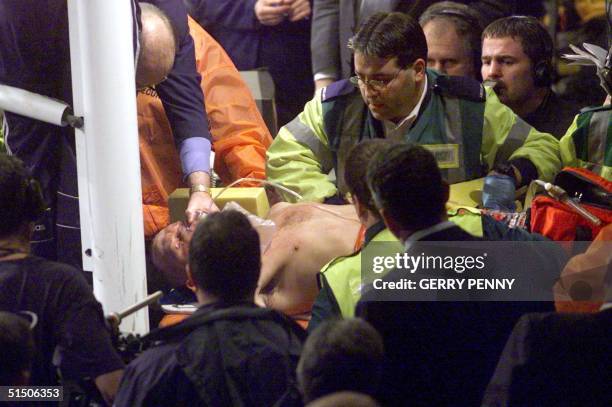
point(439, 353)
point(283, 49)
point(239, 355)
point(554, 115)
point(555, 360)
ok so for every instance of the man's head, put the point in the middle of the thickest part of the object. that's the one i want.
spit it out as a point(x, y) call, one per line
point(21, 200)
point(170, 252)
point(340, 355)
point(224, 257)
point(408, 188)
point(517, 54)
point(453, 39)
point(17, 350)
point(390, 52)
point(158, 44)
point(355, 175)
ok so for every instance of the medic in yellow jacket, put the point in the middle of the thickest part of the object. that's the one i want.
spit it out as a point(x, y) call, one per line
point(463, 123)
point(588, 142)
point(240, 136)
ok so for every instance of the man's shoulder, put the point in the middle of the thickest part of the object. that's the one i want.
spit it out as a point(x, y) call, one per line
point(454, 233)
point(458, 86)
point(44, 271)
point(336, 90)
point(155, 361)
point(341, 263)
point(155, 374)
point(217, 318)
point(564, 325)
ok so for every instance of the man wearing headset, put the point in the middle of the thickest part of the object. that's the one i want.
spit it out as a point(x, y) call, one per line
point(394, 96)
point(517, 57)
point(453, 34)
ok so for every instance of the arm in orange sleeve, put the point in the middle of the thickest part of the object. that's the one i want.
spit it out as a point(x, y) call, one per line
point(240, 136)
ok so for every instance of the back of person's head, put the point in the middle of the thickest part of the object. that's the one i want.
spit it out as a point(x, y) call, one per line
point(224, 256)
point(158, 45)
point(17, 347)
point(356, 166)
point(407, 185)
point(536, 42)
point(340, 355)
point(344, 399)
point(21, 200)
point(389, 35)
point(467, 23)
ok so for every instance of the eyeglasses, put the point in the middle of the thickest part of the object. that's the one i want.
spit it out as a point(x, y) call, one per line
point(375, 84)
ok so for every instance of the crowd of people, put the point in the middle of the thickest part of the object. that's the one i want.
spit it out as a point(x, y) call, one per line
point(384, 107)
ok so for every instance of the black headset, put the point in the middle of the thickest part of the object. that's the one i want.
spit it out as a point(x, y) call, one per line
point(542, 74)
point(543, 69)
point(472, 20)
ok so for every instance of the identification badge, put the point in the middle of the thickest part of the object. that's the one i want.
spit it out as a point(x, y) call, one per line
point(447, 155)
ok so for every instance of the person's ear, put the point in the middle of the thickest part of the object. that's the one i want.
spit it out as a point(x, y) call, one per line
point(190, 283)
point(419, 66)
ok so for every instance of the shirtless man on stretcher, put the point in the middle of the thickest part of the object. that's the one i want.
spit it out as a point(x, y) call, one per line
point(307, 236)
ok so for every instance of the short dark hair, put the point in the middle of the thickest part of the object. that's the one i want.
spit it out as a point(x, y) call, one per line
point(20, 199)
point(535, 40)
point(17, 346)
point(467, 22)
point(224, 256)
point(356, 166)
point(406, 182)
point(341, 355)
point(388, 35)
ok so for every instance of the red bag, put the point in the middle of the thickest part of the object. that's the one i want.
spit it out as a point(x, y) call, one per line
point(558, 221)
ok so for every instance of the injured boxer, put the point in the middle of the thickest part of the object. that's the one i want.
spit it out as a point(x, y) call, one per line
point(305, 237)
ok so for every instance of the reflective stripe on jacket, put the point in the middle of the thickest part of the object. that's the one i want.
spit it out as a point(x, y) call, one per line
point(588, 142)
point(343, 274)
point(466, 136)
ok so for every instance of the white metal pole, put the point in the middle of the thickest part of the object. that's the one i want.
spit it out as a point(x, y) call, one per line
point(33, 105)
point(110, 197)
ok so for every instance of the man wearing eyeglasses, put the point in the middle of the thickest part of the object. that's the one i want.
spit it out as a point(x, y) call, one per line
point(394, 96)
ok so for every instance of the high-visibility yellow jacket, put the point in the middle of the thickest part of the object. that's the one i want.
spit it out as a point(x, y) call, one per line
point(240, 136)
point(466, 127)
point(588, 142)
point(342, 276)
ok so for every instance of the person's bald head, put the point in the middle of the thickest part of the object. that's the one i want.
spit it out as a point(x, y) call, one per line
point(158, 44)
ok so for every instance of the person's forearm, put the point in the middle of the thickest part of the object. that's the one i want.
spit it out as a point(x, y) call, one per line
point(199, 178)
point(194, 153)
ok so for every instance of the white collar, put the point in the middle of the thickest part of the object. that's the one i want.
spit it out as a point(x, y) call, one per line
point(416, 236)
point(413, 113)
